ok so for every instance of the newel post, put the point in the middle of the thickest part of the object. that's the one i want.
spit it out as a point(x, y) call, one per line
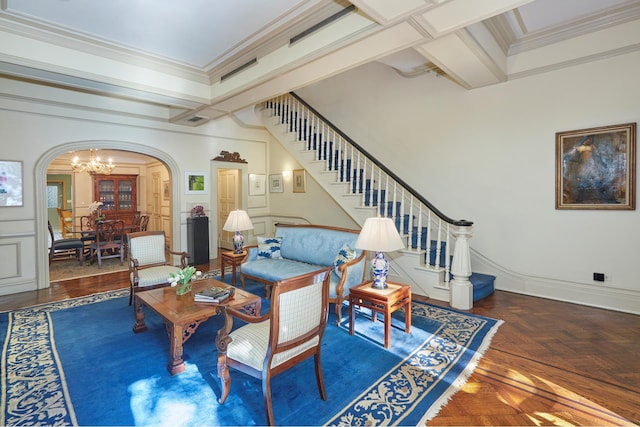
point(461, 293)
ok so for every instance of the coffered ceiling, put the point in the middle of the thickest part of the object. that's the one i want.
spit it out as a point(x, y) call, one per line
point(191, 61)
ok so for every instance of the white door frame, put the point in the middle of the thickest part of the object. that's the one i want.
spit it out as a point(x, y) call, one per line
point(244, 196)
point(40, 171)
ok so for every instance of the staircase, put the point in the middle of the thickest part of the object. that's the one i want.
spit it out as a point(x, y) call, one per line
point(364, 187)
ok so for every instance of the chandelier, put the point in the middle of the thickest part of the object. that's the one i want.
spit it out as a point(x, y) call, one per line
point(94, 165)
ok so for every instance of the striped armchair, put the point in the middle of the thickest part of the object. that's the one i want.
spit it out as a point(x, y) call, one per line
point(148, 265)
point(288, 334)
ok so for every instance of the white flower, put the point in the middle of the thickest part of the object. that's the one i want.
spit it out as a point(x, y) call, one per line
point(180, 275)
point(94, 206)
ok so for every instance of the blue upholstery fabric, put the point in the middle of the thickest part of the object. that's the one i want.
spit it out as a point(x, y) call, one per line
point(313, 245)
point(274, 270)
point(306, 249)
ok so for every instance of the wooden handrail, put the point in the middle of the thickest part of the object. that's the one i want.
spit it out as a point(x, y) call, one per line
point(414, 193)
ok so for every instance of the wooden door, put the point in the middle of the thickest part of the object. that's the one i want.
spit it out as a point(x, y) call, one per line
point(228, 200)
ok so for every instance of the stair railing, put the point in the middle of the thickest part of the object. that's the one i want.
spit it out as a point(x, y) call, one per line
point(425, 228)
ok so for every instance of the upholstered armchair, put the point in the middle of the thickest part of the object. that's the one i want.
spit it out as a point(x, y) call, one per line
point(288, 334)
point(148, 264)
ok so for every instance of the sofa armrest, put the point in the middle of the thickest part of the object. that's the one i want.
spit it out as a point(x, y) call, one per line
point(252, 253)
point(352, 274)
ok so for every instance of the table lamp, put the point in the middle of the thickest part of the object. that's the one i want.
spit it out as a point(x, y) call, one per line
point(238, 221)
point(379, 235)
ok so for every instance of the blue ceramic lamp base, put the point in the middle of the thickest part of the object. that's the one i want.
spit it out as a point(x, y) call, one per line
point(379, 270)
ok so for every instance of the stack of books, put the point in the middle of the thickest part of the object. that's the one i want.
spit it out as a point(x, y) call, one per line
point(213, 295)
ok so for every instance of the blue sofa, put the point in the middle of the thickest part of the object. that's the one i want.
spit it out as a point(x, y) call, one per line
point(298, 249)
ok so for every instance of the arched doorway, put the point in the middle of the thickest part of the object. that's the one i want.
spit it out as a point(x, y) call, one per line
point(40, 171)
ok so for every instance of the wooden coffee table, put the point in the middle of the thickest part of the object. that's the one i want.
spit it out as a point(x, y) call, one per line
point(182, 315)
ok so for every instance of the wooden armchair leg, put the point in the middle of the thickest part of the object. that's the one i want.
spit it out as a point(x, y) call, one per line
point(319, 379)
point(266, 393)
point(339, 302)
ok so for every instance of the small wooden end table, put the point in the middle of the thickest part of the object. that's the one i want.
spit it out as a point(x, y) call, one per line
point(384, 301)
point(235, 260)
point(182, 315)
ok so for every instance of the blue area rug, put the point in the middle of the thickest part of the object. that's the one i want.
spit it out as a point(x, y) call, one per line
point(77, 362)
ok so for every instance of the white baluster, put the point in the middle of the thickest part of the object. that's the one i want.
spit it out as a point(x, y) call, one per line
point(447, 256)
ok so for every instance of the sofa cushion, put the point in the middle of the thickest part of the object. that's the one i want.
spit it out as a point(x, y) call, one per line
point(345, 254)
point(155, 275)
point(273, 270)
point(269, 247)
point(313, 245)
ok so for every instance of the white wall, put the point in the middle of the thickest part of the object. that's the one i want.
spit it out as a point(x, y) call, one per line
point(35, 133)
point(488, 155)
point(314, 207)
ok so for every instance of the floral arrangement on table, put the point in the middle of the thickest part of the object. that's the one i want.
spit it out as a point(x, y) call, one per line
point(197, 211)
point(181, 279)
point(95, 212)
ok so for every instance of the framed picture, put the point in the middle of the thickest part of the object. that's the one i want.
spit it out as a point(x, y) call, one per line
point(196, 183)
point(275, 183)
point(596, 168)
point(299, 181)
point(257, 184)
point(166, 190)
point(10, 183)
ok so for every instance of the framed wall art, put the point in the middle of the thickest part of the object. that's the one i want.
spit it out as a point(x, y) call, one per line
point(299, 181)
point(10, 183)
point(596, 168)
point(166, 190)
point(196, 183)
point(257, 184)
point(275, 183)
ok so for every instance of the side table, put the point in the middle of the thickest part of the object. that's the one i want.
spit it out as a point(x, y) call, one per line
point(235, 260)
point(384, 301)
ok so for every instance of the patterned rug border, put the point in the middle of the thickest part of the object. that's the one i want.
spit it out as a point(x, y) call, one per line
point(75, 301)
point(396, 395)
point(96, 297)
point(403, 388)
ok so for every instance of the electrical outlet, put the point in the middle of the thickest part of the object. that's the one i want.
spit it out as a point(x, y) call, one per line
point(598, 277)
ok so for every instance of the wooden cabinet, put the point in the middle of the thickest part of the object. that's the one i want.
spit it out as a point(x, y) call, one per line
point(198, 240)
point(119, 196)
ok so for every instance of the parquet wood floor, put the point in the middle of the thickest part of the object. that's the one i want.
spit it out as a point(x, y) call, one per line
point(550, 363)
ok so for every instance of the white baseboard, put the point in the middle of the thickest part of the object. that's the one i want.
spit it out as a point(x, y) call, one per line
point(578, 293)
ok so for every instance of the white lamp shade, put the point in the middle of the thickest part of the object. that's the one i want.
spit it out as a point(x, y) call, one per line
point(380, 235)
point(238, 221)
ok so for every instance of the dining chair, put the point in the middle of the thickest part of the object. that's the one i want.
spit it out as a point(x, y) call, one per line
point(66, 222)
point(109, 241)
point(87, 233)
point(288, 334)
point(61, 247)
point(144, 222)
point(148, 264)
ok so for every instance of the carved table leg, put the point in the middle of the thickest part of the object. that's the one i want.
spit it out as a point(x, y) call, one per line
point(176, 364)
point(138, 308)
point(222, 341)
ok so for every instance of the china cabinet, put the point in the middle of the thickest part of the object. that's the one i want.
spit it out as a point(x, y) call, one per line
point(119, 196)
